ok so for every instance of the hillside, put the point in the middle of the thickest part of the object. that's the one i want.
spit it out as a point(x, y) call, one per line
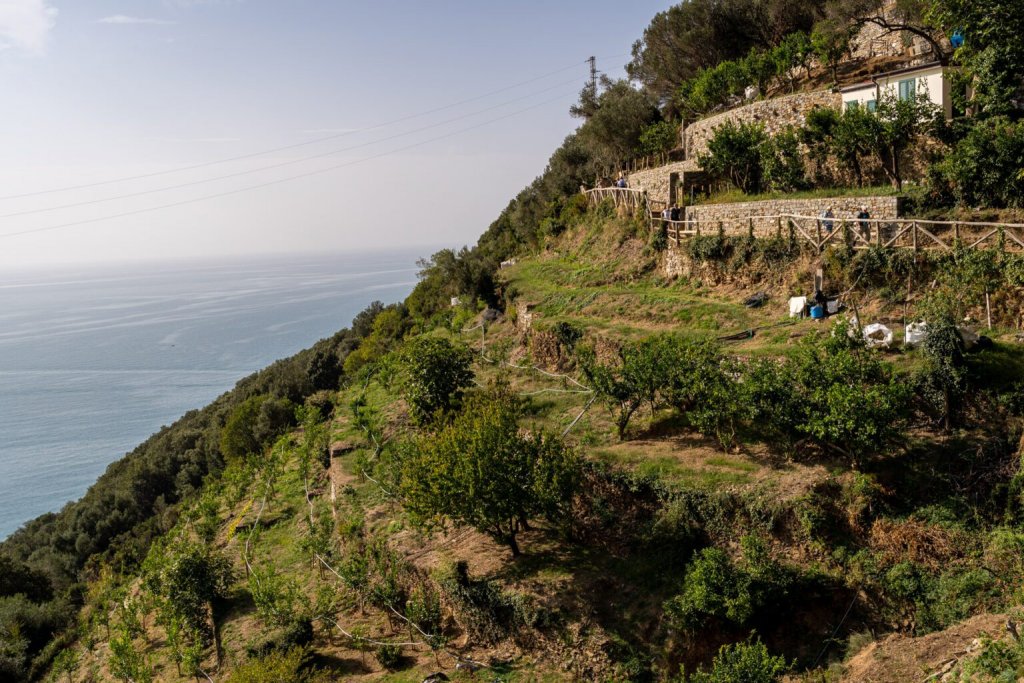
point(321, 554)
point(582, 451)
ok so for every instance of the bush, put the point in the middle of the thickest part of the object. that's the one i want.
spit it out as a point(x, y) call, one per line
point(747, 662)
point(983, 169)
point(388, 656)
point(436, 372)
point(279, 667)
point(715, 587)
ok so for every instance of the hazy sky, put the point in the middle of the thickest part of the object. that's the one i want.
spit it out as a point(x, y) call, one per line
point(94, 90)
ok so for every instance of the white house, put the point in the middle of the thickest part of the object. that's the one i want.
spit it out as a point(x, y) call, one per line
point(931, 79)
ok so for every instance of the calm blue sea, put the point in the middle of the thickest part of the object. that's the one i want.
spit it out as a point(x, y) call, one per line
point(93, 361)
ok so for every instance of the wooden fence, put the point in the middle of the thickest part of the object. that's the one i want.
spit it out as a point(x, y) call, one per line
point(858, 233)
point(628, 197)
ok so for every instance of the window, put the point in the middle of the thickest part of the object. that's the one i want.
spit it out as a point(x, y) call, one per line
point(852, 104)
point(871, 105)
point(907, 89)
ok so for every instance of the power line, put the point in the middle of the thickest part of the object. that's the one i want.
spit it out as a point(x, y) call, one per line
point(287, 147)
point(278, 181)
point(281, 164)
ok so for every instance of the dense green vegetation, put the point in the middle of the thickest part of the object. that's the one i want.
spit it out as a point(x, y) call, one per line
point(766, 486)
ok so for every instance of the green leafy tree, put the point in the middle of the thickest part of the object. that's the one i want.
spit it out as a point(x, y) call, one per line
point(613, 132)
point(945, 375)
point(715, 587)
point(238, 439)
point(793, 53)
point(993, 49)
point(659, 137)
point(900, 123)
point(782, 162)
point(436, 373)
point(482, 471)
point(126, 662)
point(734, 153)
point(695, 35)
point(324, 369)
point(253, 424)
point(191, 580)
point(851, 403)
point(831, 43)
point(64, 664)
point(983, 169)
point(626, 385)
point(668, 370)
point(856, 129)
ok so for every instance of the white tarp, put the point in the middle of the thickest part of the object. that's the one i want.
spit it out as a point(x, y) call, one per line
point(796, 306)
point(877, 334)
point(916, 333)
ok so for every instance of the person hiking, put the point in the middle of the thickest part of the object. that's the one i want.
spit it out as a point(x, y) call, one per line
point(865, 227)
point(826, 219)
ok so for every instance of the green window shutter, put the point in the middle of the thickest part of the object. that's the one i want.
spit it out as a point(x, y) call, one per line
point(907, 89)
point(872, 105)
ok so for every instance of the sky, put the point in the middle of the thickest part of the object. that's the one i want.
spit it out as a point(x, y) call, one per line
point(424, 118)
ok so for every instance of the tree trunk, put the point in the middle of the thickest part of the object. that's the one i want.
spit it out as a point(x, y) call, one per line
point(947, 401)
point(512, 544)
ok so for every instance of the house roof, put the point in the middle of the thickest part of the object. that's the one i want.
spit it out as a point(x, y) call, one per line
point(886, 74)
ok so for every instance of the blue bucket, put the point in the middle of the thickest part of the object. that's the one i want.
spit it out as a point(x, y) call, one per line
point(817, 312)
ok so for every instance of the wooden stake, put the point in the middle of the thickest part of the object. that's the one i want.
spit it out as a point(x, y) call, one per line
point(988, 310)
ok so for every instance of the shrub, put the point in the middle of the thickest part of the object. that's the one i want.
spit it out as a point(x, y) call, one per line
point(747, 662)
point(983, 169)
point(279, 667)
point(388, 656)
point(707, 247)
point(436, 372)
point(714, 586)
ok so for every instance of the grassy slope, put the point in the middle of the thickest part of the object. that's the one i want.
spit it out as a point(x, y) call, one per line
point(604, 605)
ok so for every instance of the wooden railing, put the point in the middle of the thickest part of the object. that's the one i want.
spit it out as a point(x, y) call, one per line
point(628, 197)
point(858, 233)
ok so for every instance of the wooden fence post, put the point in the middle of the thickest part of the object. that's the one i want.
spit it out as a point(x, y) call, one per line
point(913, 230)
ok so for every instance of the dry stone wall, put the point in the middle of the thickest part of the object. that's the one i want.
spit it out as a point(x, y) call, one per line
point(740, 217)
point(657, 181)
point(776, 114)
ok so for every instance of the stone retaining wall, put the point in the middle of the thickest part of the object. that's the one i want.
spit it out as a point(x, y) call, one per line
point(656, 181)
point(736, 218)
point(776, 114)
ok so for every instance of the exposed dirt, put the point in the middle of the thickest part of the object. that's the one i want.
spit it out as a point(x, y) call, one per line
point(901, 659)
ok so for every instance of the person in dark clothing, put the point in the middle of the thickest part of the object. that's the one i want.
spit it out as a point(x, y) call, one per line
point(865, 227)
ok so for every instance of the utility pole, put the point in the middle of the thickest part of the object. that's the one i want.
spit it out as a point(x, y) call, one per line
point(593, 74)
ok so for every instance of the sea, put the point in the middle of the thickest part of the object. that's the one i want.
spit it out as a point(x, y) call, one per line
point(93, 360)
